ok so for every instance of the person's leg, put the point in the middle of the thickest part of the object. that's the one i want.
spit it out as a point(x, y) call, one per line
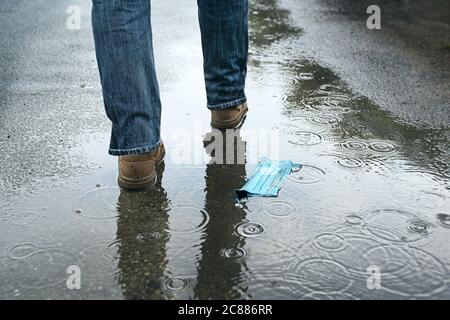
point(224, 29)
point(123, 42)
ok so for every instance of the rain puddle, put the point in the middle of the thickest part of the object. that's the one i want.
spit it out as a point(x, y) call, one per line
point(373, 194)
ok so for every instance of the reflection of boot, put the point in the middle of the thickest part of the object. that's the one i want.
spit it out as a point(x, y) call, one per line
point(139, 171)
point(225, 146)
point(142, 237)
point(228, 118)
point(219, 276)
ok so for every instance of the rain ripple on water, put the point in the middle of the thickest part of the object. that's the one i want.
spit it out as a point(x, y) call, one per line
point(363, 146)
point(444, 219)
point(320, 275)
point(249, 229)
point(35, 267)
point(336, 260)
point(186, 219)
point(280, 209)
point(397, 226)
point(99, 203)
point(22, 218)
point(353, 145)
point(305, 138)
point(175, 284)
point(307, 175)
point(236, 253)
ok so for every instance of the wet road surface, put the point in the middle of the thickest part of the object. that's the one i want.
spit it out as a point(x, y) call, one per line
point(374, 190)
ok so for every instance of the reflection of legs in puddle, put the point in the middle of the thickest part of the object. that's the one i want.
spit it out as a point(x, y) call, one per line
point(219, 270)
point(142, 236)
point(225, 147)
point(124, 50)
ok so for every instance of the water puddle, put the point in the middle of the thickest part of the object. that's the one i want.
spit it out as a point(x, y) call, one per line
point(373, 192)
point(99, 203)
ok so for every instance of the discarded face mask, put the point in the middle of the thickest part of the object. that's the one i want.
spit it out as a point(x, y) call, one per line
point(266, 180)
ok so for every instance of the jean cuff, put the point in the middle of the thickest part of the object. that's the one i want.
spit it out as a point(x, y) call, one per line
point(140, 150)
point(226, 105)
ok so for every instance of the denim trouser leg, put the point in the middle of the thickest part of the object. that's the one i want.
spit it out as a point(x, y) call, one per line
point(224, 28)
point(123, 41)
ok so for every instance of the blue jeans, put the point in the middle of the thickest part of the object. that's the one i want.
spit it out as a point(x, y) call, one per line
point(123, 43)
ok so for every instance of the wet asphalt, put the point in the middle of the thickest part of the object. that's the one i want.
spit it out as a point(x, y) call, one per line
point(50, 95)
point(345, 98)
point(403, 67)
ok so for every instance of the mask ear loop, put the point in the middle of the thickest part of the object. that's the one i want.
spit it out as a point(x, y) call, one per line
point(296, 167)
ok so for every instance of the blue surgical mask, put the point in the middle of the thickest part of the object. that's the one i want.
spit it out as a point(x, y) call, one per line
point(267, 179)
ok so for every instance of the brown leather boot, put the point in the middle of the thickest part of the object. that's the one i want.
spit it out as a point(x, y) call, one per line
point(228, 118)
point(139, 171)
